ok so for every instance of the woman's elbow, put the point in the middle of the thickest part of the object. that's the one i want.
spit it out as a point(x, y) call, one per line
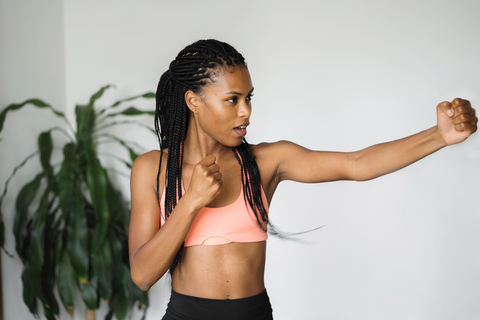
point(140, 281)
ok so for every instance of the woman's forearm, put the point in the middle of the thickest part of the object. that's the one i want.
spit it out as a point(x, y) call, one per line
point(153, 259)
point(388, 157)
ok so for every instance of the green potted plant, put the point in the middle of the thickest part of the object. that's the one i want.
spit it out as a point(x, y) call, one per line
point(71, 222)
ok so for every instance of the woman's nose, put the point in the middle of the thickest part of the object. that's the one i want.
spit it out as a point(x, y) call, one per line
point(245, 110)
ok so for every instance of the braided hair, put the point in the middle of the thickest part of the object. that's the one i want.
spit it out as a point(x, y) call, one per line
point(192, 69)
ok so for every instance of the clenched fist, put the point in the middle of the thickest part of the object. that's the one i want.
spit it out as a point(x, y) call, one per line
point(456, 120)
point(206, 182)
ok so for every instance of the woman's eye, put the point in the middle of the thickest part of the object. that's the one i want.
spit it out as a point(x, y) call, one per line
point(232, 100)
point(249, 97)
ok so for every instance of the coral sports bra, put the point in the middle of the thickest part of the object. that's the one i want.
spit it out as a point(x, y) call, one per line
point(235, 222)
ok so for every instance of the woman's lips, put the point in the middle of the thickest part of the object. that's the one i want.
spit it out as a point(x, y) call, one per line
point(241, 130)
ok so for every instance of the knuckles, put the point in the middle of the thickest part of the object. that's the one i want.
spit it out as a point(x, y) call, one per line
point(457, 101)
point(200, 169)
point(443, 104)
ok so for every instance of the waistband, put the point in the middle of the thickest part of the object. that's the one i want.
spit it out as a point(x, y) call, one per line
point(184, 307)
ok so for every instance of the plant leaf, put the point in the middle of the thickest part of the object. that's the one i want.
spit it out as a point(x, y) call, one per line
point(118, 210)
point(148, 95)
point(37, 236)
point(97, 185)
point(136, 294)
point(119, 304)
point(133, 154)
point(102, 263)
point(36, 102)
point(132, 111)
point(117, 247)
point(45, 145)
point(22, 203)
point(68, 179)
point(48, 276)
point(121, 292)
point(42, 262)
point(88, 291)
point(114, 123)
point(66, 282)
point(97, 95)
point(77, 239)
point(86, 116)
point(2, 226)
point(29, 296)
point(85, 122)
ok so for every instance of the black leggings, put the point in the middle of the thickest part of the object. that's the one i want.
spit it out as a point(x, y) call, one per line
point(183, 307)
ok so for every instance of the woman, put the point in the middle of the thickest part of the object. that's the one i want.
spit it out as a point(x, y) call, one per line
point(199, 205)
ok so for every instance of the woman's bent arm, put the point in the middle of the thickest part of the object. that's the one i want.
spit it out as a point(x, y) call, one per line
point(153, 249)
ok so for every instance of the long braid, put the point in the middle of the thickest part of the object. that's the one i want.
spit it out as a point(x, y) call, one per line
point(193, 68)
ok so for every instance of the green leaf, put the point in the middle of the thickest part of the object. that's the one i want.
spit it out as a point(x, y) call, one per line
point(5, 189)
point(136, 294)
point(89, 290)
point(118, 210)
point(66, 282)
point(68, 179)
point(85, 122)
point(86, 116)
point(121, 292)
point(89, 295)
point(29, 296)
point(121, 307)
point(49, 311)
point(36, 102)
point(133, 154)
point(22, 203)
point(77, 240)
point(97, 185)
point(48, 276)
point(97, 95)
point(132, 111)
point(102, 263)
point(148, 95)
point(35, 279)
point(120, 299)
point(114, 123)
point(41, 266)
point(45, 145)
point(117, 247)
point(37, 236)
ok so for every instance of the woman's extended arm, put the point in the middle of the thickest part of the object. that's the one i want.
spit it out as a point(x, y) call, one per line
point(455, 122)
point(153, 249)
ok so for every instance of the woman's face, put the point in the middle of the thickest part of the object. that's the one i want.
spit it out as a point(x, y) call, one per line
point(225, 106)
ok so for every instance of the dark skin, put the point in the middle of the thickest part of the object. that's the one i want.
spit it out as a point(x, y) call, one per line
point(211, 176)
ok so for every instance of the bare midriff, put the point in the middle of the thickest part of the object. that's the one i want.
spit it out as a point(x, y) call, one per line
point(228, 271)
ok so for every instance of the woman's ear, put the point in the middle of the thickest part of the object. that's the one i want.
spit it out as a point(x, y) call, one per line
point(193, 100)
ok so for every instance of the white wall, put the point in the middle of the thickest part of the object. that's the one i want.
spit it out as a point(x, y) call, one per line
point(31, 65)
point(331, 75)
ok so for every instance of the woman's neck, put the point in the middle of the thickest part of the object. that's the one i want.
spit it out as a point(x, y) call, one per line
point(198, 145)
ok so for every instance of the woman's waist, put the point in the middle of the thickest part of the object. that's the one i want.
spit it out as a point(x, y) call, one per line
point(229, 271)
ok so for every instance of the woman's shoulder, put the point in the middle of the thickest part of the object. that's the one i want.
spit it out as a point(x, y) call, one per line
point(145, 169)
point(270, 149)
point(148, 161)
